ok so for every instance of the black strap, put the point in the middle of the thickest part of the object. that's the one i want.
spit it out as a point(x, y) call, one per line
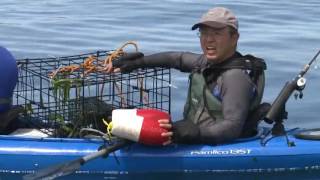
point(245, 62)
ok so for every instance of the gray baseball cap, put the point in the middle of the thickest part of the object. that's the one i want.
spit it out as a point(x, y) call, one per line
point(218, 17)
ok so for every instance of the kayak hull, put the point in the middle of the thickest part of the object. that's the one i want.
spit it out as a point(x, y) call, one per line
point(242, 158)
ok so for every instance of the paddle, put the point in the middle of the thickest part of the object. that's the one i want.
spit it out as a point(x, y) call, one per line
point(70, 167)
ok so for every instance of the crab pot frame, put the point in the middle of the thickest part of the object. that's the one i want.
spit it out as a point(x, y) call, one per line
point(63, 105)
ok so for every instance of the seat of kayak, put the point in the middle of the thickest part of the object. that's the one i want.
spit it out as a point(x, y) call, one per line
point(308, 134)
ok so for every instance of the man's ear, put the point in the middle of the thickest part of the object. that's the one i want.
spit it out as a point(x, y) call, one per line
point(235, 37)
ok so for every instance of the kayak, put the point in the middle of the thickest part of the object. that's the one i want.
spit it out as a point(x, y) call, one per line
point(64, 106)
point(262, 156)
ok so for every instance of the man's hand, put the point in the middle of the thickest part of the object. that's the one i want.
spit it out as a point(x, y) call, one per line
point(126, 63)
point(166, 123)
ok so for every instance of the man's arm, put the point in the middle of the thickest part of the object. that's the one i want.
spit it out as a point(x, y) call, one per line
point(183, 61)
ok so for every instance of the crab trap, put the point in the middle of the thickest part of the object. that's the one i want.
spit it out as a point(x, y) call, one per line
point(61, 104)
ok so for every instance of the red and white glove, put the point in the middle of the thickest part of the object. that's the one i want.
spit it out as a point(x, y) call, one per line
point(139, 125)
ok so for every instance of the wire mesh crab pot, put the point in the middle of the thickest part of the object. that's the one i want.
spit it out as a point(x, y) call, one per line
point(62, 105)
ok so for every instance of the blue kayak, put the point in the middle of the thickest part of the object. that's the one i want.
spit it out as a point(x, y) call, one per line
point(63, 103)
point(259, 156)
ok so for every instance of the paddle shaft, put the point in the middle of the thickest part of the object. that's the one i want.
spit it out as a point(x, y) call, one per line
point(67, 168)
point(278, 105)
point(104, 151)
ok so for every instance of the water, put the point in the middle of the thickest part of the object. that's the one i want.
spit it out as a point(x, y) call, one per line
point(284, 33)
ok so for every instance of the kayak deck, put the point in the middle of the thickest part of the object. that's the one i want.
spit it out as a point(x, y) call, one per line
point(244, 156)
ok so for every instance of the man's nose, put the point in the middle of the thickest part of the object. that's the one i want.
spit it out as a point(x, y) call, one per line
point(211, 38)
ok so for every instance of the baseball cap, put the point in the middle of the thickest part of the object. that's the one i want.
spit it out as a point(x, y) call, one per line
point(218, 17)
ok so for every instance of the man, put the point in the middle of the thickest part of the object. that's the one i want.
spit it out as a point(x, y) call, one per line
point(224, 85)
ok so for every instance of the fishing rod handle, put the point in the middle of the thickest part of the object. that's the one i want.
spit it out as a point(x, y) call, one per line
point(281, 100)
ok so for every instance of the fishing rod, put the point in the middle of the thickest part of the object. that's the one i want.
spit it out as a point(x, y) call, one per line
point(277, 111)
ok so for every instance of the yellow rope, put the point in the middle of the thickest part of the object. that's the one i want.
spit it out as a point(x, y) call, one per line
point(109, 127)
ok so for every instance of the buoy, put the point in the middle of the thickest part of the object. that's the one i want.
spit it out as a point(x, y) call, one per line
point(8, 78)
point(139, 125)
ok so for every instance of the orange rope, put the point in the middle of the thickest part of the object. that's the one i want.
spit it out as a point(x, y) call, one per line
point(123, 102)
point(143, 94)
point(91, 64)
point(119, 52)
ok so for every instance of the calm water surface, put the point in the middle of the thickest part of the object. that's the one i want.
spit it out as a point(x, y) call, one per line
point(284, 33)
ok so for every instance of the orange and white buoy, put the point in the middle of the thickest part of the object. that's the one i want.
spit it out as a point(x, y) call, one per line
point(139, 125)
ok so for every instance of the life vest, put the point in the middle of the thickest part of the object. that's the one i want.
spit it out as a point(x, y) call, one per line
point(8, 78)
point(202, 104)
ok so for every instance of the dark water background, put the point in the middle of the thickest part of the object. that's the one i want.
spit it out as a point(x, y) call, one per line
point(284, 33)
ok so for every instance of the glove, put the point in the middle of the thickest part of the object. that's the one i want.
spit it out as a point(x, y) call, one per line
point(129, 61)
point(250, 128)
point(185, 132)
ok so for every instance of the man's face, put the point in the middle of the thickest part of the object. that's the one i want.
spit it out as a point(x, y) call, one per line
point(217, 44)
